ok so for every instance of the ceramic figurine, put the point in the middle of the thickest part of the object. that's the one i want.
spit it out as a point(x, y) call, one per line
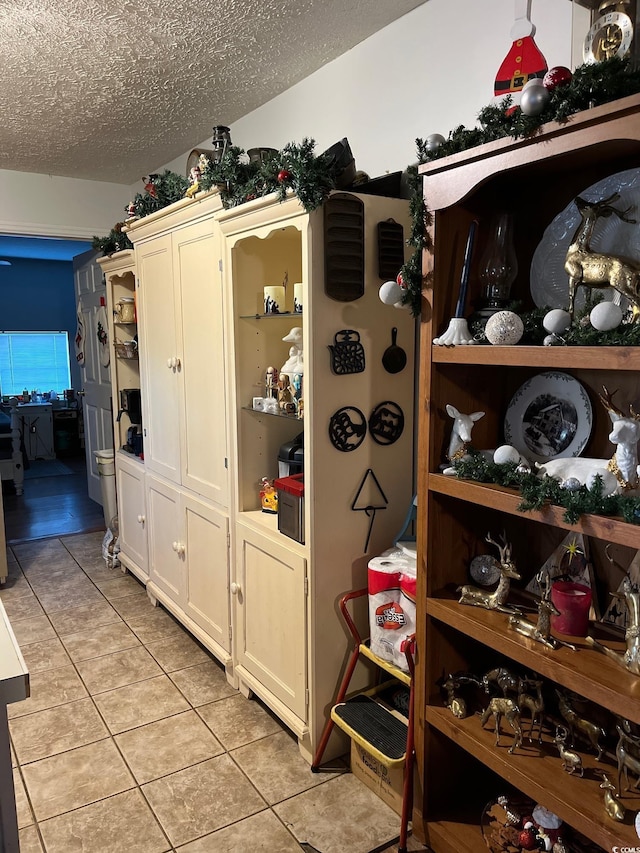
point(495, 600)
point(194, 181)
point(620, 473)
point(587, 268)
point(268, 497)
point(271, 382)
point(286, 401)
point(460, 440)
point(294, 364)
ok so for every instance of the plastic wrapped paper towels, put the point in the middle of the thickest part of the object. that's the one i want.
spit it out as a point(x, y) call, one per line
point(392, 604)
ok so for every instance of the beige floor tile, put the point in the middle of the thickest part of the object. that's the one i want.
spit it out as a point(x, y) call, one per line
point(16, 585)
point(81, 618)
point(48, 689)
point(23, 809)
point(24, 607)
point(237, 721)
point(29, 840)
point(84, 544)
point(48, 654)
point(156, 625)
point(260, 833)
point(133, 606)
point(178, 652)
point(342, 814)
point(217, 792)
point(100, 640)
point(276, 768)
point(121, 586)
point(203, 683)
point(116, 670)
point(140, 703)
point(48, 576)
point(32, 630)
point(66, 599)
point(119, 824)
point(76, 778)
point(98, 572)
point(165, 746)
point(14, 760)
point(39, 550)
point(56, 730)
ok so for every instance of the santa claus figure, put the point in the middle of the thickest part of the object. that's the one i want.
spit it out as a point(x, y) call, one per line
point(524, 60)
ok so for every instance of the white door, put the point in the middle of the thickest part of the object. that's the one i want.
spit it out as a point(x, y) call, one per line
point(91, 297)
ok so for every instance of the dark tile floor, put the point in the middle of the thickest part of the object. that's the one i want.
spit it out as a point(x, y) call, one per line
point(51, 506)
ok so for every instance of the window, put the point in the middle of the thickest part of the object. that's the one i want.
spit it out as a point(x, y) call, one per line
point(34, 360)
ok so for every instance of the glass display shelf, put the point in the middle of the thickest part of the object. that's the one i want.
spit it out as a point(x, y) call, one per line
point(287, 315)
point(292, 417)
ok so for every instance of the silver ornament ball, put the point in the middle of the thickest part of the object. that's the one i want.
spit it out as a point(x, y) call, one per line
point(552, 341)
point(434, 141)
point(504, 329)
point(534, 99)
point(571, 484)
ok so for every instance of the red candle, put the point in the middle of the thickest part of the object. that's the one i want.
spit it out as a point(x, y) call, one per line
point(573, 600)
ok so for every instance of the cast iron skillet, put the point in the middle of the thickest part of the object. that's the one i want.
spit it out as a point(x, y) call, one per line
point(394, 357)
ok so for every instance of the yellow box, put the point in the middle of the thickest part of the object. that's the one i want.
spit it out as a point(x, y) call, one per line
point(386, 782)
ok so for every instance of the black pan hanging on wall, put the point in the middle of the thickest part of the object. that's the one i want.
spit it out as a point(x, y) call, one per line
point(394, 358)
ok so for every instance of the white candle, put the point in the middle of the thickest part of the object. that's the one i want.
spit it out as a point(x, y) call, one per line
point(274, 299)
point(298, 288)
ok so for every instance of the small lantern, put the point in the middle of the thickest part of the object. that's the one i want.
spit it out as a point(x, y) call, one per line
point(221, 141)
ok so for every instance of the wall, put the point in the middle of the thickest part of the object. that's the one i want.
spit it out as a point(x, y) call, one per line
point(428, 72)
point(37, 296)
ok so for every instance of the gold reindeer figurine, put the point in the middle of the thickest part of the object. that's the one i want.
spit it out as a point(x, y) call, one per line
point(541, 631)
point(587, 268)
point(630, 659)
point(495, 600)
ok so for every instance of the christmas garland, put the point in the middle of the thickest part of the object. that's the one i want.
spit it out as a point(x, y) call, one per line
point(591, 85)
point(115, 241)
point(537, 491)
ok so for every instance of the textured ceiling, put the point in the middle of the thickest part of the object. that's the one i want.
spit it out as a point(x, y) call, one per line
point(108, 91)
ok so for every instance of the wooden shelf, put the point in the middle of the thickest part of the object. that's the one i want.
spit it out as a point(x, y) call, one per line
point(593, 358)
point(586, 671)
point(538, 774)
point(610, 529)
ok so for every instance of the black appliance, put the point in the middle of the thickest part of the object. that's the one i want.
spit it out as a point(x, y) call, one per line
point(134, 441)
point(291, 456)
point(130, 403)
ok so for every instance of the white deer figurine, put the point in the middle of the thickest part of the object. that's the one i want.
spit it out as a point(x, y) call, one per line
point(587, 268)
point(620, 473)
point(460, 440)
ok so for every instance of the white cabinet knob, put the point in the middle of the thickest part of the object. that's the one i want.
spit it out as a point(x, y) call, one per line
point(169, 363)
point(181, 550)
point(141, 519)
point(235, 588)
point(177, 363)
point(174, 545)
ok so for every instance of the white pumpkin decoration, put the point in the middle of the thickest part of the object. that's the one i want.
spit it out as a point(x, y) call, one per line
point(605, 316)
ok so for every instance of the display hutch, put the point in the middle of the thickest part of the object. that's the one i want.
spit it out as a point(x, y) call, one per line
point(289, 641)
point(461, 768)
point(120, 276)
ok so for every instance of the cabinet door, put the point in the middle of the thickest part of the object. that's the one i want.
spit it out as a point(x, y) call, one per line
point(198, 279)
point(159, 358)
point(271, 622)
point(207, 540)
point(131, 514)
point(167, 549)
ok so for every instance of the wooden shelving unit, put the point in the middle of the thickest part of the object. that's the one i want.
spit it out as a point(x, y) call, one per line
point(534, 179)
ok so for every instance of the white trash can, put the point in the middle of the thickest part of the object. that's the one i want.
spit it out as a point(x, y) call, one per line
point(107, 473)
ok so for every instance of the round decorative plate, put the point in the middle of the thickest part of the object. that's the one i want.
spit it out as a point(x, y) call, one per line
point(485, 570)
point(548, 417)
point(549, 282)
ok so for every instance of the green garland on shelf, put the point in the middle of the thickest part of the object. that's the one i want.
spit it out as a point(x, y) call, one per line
point(592, 85)
point(115, 241)
point(293, 168)
point(160, 191)
point(537, 491)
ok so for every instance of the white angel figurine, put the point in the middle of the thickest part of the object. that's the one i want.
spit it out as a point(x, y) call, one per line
point(294, 363)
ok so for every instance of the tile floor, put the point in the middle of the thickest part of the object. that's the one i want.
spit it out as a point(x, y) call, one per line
point(132, 740)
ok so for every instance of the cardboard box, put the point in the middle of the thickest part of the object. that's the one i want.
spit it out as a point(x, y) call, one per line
point(386, 782)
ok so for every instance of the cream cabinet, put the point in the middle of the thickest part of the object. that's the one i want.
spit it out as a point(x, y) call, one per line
point(132, 520)
point(121, 284)
point(290, 645)
point(182, 352)
point(183, 381)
